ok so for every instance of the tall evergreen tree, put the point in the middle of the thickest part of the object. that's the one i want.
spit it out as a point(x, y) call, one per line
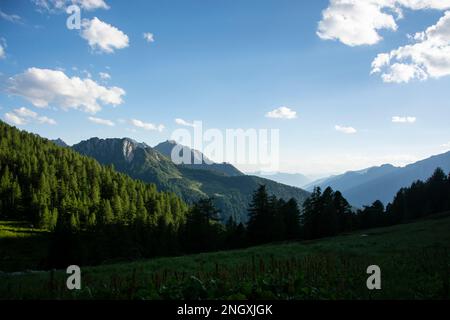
point(259, 212)
point(291, 216)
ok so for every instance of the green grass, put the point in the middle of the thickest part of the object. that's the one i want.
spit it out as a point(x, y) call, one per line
point(21, 246)
point(414, 260)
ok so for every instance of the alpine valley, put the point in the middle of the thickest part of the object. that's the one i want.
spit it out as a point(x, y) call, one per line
point(230, 188)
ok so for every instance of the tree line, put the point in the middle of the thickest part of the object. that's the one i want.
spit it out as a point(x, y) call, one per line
point(96, 214)
point(327, 213)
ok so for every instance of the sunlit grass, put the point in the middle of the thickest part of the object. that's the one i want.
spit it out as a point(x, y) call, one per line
point(18, 229)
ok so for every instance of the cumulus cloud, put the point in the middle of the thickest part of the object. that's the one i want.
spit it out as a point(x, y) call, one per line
point(357, 22)
point(102, 36)
point(147, 126)
point(23, 116)
point(149, 37)
point(103, 122)
point(282, 113)
point(104, 75)
point(354, 22)
point(397, 119)
point(381, 60)
point(428, 57)
point(43, 87)
point(346, 130)
point(61, 5)
point(403, 73)
point(14, 18)
point(182, 122)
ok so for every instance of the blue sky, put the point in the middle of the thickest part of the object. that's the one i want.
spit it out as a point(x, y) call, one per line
point(229, 63)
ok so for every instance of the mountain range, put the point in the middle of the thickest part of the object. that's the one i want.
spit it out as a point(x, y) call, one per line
point(291, 179)
point(197, 160)
point(231, 189)
point(381, 183)
point(59, 142)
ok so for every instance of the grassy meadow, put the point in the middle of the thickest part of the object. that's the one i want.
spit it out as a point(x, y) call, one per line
point(414, 260)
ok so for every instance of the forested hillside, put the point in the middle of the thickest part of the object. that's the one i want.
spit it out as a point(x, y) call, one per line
point(96, 214)
point(231, 191)
point(51, 185)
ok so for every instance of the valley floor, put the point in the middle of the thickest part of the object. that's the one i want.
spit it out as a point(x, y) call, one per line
point(414, 260)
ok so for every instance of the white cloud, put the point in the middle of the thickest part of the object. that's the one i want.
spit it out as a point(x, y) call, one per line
point(14, 119)
point(282, 113)
point(61, 5)
point(14, 18)
point(149, 37)
point(428, 57)
point(92, 4)
point(104, 75)
point(381, 60)
point(446, 145)
point(397, 119)
point(423, 4)
point(182, 122)
point(2, 52)
point(354, 22)
point(2, 48)
point(102, 36)
point(23, 116)
point(44, 86)
point(147, 126)
point(346, 130)
point(358, 22)
point(403, 73)
point(103, 122)
point(26, 113)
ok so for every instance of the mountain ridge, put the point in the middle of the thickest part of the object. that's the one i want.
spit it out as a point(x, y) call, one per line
point(364, 186)
point(232, 193)
point(197, 160)
point(291, 179)
point(59, 142)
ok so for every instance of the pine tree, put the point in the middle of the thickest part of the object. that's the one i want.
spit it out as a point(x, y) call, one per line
point(141, 210)
point(344, 213)
point(311, 210)
point(107, 213)
point(45, 218)
point(54, 219)
point(202, 232)
point(258, 227)
point(291, 216)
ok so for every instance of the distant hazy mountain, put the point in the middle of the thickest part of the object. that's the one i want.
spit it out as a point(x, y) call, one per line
point(59, 142)
point(352, 178)
point(381, 183)
point(231, 189)
point(291, 179)
point(197, 159)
